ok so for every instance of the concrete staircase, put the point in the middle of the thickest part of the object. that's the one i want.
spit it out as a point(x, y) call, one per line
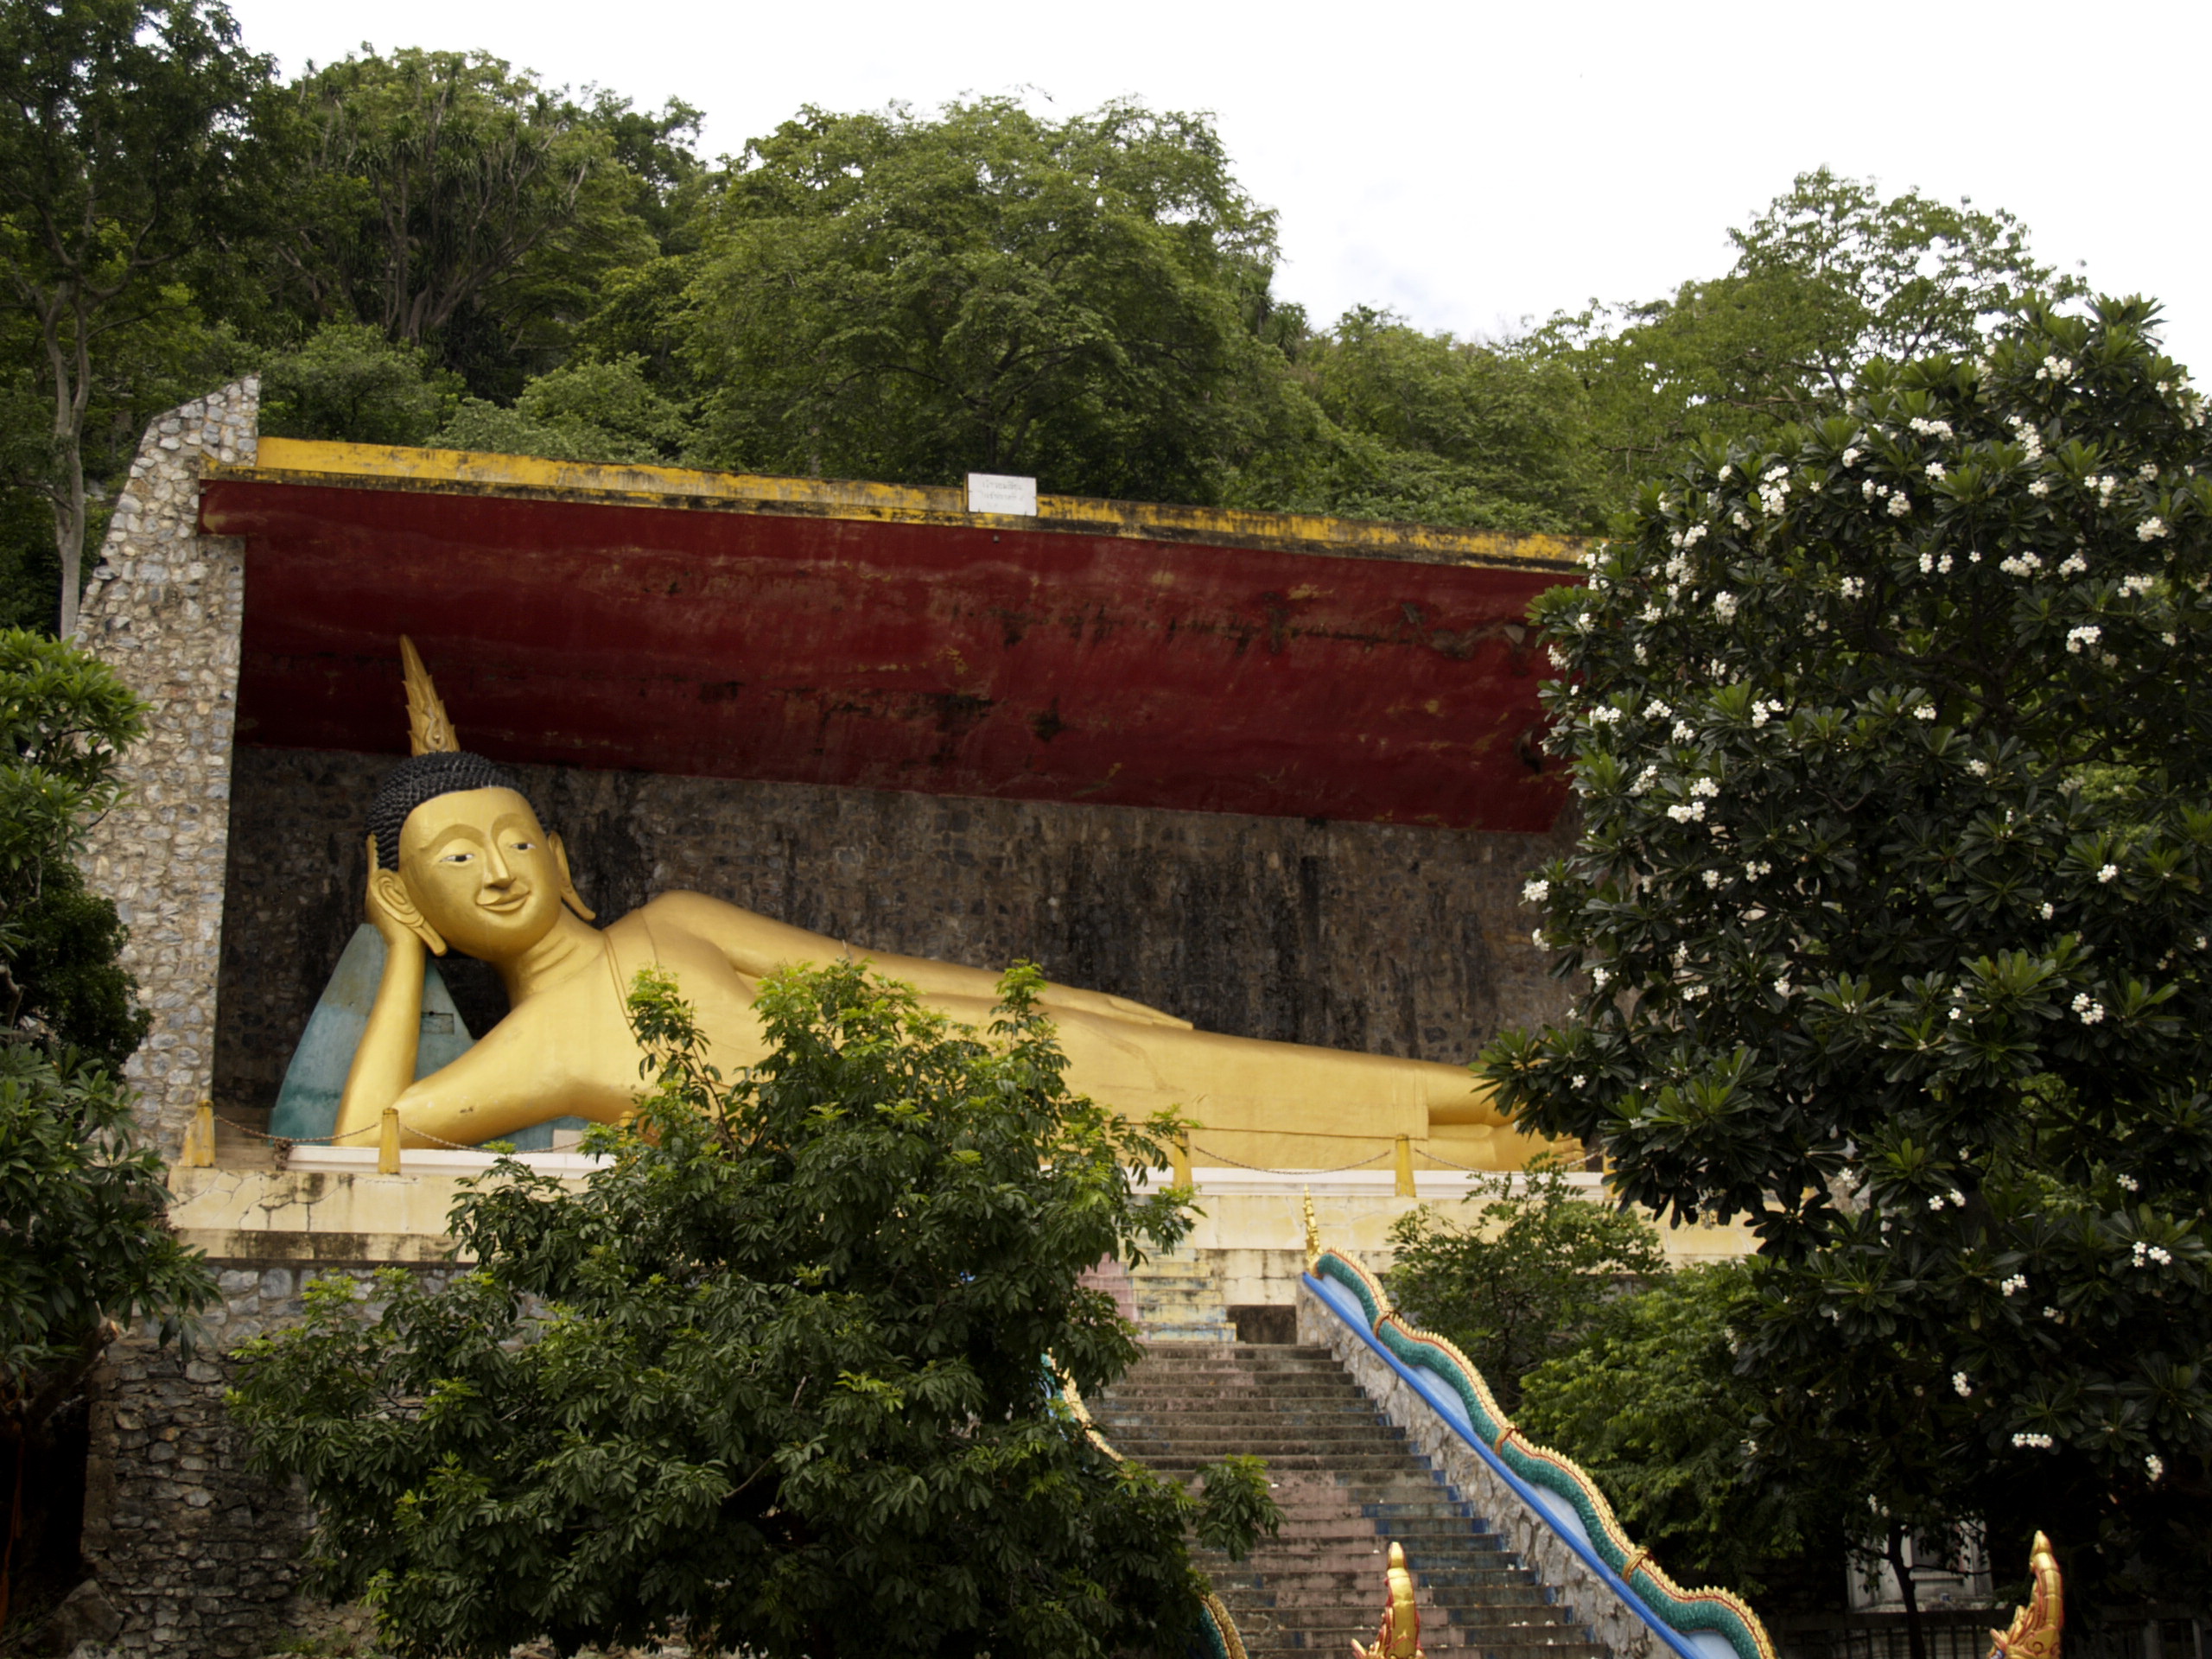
point(1178, 1300)
point(1349, 1484)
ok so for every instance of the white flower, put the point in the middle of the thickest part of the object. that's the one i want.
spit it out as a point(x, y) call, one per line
point(1536, 891)
point(2056, 368)
point(1929, 429)
point(2106, 485)
point(1606, 715)
point(2015, 1285)
point(1936, 1204)
point(1726, 472)
point(1958, 1198)
point(2032, 1442)
point(2089, 1009)
point(1958, 1014)
point(2110, 872)
point(2155, 1466)
point(1683, 731)
point(1741, 519)
point(1649, 614)
point(1854, 587)
point(1640, 653)
point(1869, 489)
point(2020, 564)
point(1900, 504)
point(1935, 469)
point(1695, 534)
point(1724, 606)
point(1713, 878)
point(2072, 565)
point(2199, 941)
point(1552, 652)
point(1580, 1079)
point(2148, 472)
point(2130, 1183)
point(1643, 780)
point(1959, 1382)
point(2047, 910)
point(2150, 529)
point(1924, 711)
point(2087, 634)
point(1707, 787)
point(1782, 987)
point(1688, 812)
point(1655, 709)
point(2041, 487)
point(1980, 768)
point(1600, 978)
point(1850, 457)
point(2133, 585)
point(1536, 937)
point(2053, 1313)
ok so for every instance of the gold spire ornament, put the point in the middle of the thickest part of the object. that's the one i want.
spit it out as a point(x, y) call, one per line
point(1312, 1234)
point(1400, 1637)
point(2037, 1627)
point(430, 728)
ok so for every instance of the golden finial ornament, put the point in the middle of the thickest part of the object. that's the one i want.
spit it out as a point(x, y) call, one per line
point(1312, 1234)
point(1400, 1637)
point(430, 728)
point(2037, 1627)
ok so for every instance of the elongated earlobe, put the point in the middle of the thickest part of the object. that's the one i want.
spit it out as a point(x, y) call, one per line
point(388, 893)
point(568, 895)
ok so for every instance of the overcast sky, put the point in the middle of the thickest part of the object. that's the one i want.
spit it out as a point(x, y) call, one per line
point(1469, 165)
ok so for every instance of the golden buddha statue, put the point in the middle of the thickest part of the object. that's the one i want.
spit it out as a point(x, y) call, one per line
point(459, 862)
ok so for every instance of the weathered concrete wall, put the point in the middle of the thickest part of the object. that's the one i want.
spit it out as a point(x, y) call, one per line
point(199, 1553)
point(1388, 939)
point(164, 608)
point(1523, 1531)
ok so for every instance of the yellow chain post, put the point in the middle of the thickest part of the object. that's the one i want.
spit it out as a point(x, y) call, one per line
point(388, 1143)
point(199, 1139)
point(1405, 1167)
point(1182, 1157)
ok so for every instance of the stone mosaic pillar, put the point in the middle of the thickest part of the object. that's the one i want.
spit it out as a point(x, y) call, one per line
point(163, 609)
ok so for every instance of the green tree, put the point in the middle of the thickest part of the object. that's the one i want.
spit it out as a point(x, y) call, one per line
point(584, 411)
point(346, 383)
point(1437, 430)
point(898, 297)
point(120, 139)
point(1831, 277)
point(777, 1375)
point(452, 203)
point(1649, 1401)
point(1859, 955)
point(1517, 1285)
point(81, 1199)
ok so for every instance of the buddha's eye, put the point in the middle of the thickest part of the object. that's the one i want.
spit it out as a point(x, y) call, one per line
point(524, 846)
point(457, 858)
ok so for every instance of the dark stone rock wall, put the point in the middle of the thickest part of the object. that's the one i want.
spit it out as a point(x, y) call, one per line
point(1372, 937)
point(198, 1552)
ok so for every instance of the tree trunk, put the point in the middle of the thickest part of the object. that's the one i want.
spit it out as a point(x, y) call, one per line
point(71, 367)
point(1915, 1640)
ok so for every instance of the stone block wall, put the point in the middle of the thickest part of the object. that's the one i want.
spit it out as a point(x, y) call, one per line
point(199, 1553)
point(1390, 939)
point(164, 608)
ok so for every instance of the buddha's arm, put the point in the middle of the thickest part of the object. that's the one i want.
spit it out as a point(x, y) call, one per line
point(384, 1064)
point(756, 946)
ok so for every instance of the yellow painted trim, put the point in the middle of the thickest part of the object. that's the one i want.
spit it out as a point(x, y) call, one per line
point(298, 460)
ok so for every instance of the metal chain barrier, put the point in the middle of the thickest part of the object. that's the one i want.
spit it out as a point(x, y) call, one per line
point(1262, 1169)
point(290, 1140)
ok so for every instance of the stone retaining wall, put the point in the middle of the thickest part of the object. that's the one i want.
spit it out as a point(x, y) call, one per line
point(163, 609)
point(199, 1553)
point(1526, 1532)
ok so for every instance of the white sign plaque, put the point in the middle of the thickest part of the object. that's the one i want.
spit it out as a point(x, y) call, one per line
point(996, 493)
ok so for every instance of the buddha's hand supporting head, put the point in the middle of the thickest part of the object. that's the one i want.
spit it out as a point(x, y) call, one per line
point(478, 873)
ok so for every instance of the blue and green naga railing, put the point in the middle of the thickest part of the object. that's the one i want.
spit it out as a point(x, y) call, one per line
point(1554, 1487)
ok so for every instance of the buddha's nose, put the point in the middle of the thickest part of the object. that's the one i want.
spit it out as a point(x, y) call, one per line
point(497, 872)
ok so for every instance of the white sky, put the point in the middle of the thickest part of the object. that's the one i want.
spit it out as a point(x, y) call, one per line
point(1472, 164)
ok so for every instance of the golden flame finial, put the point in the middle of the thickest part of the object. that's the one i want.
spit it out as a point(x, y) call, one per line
point(1400, 1637)
point(430, 728)
point(2037, 1627)
point(1312, 1234)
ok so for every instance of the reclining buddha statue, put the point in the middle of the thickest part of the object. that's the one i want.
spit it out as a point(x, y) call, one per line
point(459, 862)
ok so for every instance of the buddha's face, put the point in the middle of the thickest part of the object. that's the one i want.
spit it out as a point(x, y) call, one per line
point(482, 871)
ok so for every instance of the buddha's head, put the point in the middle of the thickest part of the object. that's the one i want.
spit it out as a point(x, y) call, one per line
point(462, 859)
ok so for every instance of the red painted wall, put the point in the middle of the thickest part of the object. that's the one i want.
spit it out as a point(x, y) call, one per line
point(943, 658)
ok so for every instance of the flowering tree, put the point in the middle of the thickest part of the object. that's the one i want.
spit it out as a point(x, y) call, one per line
point(1891, 925)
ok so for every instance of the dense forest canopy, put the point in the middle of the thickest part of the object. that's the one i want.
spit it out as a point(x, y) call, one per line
point(438, 247)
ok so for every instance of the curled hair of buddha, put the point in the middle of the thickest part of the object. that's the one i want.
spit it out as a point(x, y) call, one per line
point(424, 778)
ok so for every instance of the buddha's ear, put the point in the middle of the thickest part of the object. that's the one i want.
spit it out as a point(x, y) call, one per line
point(388, 894)
point(568, 895)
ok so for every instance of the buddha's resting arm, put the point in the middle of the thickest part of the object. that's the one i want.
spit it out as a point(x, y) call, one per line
point(384, 1064)
point(755, 945)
